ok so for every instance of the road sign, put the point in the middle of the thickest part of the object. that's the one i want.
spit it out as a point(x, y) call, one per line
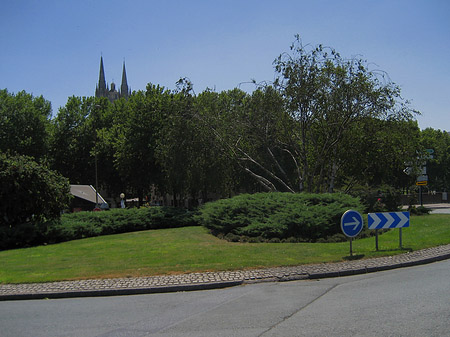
point(422, 183)
point(422, 177)
point(351, 223)
point(388, 220)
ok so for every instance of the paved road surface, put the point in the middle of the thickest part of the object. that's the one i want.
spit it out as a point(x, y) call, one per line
point(439, 208)
point(411, 301)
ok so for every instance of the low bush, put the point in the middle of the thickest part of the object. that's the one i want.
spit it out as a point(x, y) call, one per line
point(419, 210)
point(23, 235)
point(80, 225)
point(303, 216)
point(87, 224)
point(378, 199)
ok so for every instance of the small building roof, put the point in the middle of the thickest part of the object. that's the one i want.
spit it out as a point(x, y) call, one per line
point(86, 192)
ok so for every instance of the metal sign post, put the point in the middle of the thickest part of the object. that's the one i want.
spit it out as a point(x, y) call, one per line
point(351, 248)
point(376, 240)
point(388, 220)
point(351, 225)
point(400, 238)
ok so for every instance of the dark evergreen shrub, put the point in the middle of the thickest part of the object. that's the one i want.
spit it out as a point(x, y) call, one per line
point(420, 210)
point(80, 225)
point(232, 237)
point(87, 224)
point(274, 240)
point(278, 215)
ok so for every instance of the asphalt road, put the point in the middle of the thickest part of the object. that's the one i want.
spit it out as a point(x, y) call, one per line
point(411, 301)
point(439, 208)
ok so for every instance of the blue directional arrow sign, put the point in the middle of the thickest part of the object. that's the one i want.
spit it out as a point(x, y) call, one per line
point(351, 223)
point(388, 220)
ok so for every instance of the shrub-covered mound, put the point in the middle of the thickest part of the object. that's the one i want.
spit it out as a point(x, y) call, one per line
point(87, 224)
point(301, 216)
point(80, 225)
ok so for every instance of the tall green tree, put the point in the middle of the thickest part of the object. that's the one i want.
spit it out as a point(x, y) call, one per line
point(31, 195)
point(377, 152)
point(438, 164)
point(325, 95)
point(224, 119)
point(255, 132)
point(136, 139)
point(111, 118)
point(192, 163)
point(212, 170)
point(30, 192)
point(24, 124)
point(268, 129)
point(74, 136)
point(174, 145)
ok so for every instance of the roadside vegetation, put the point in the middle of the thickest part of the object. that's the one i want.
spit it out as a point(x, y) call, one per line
point(193, 249)
point(291, 217)
point(327, 123)
point(328, 134)
point(259, 217)
point(73, 226)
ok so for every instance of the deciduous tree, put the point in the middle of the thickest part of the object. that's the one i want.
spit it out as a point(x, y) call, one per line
point(24, 124)
point(30, 192)
point(326, 95)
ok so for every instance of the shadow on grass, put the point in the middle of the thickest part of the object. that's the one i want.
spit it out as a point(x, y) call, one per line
point(353, 257)
point(403, 249)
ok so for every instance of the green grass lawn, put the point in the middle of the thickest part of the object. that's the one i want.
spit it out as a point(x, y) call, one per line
point(192, 249)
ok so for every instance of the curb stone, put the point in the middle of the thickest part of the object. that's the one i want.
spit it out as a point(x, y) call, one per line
point(216, 280)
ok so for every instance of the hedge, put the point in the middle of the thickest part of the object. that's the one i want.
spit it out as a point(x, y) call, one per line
point(302, 216)
point(80, 225)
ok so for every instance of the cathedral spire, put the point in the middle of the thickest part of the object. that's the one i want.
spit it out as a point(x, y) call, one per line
point(101, 90)
point(124, 90)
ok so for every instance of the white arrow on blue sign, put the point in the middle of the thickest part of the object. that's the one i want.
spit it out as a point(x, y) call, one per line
point(388, 220)
point(351, 223)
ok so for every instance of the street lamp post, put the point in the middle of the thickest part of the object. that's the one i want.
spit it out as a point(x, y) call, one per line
point(96, 181)
point(95, 154)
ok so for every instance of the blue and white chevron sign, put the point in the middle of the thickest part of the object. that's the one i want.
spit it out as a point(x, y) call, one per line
point(388, 220)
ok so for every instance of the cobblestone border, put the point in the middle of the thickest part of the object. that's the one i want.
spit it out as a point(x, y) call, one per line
point(215, 280)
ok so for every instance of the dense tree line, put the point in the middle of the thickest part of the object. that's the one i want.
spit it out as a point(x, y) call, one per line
point(326, 124)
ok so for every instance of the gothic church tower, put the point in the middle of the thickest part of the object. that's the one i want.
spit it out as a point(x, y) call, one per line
point(112, 94)
point(100, 90)
point(124, 90)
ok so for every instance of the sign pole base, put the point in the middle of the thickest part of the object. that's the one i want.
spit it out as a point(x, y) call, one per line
point(376, 240)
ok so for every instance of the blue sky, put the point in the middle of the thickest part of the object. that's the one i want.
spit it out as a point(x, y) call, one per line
point(53, 48)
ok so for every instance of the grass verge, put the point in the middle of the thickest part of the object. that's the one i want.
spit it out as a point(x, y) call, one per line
point(192, 249)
